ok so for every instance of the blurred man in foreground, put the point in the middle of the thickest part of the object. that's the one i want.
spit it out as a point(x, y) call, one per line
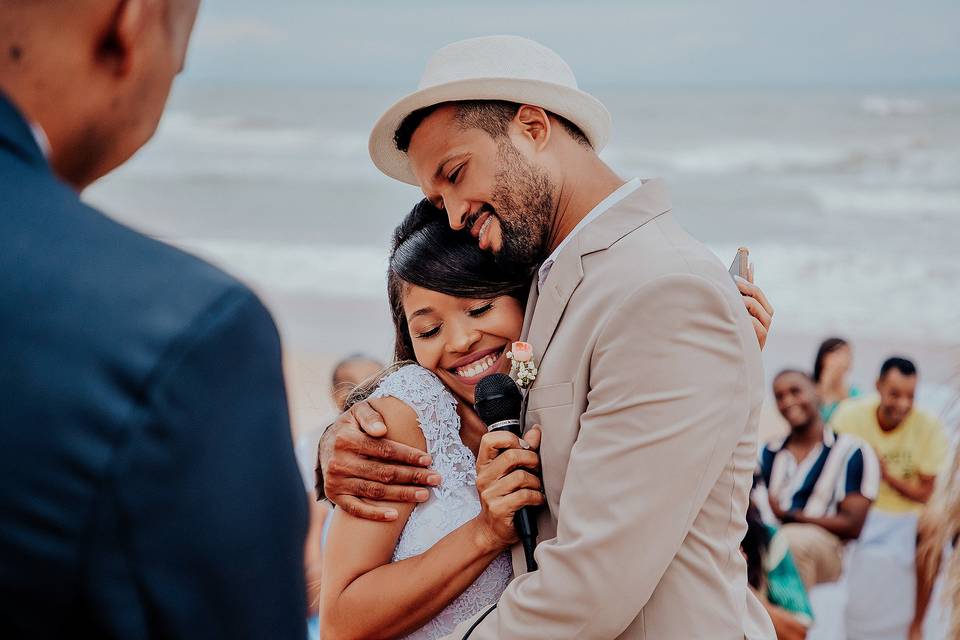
point(149, 481)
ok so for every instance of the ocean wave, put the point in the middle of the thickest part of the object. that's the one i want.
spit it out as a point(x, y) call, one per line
point(884, 107)
point(357, 272)
point(231, 131)
point(764, 156)
point(197, 148)
point(822, 290)
point(759, 156)
point(815, 290)
point(235, 133)
point(888, 202)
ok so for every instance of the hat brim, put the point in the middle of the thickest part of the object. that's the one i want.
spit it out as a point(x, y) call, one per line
point(579, 107)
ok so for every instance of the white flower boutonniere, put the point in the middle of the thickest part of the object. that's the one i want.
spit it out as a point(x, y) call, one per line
point(522, 368)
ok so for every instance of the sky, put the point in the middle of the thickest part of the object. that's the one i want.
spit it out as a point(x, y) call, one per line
point(656, 43)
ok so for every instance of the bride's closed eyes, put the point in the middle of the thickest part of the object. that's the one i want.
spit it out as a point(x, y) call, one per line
point(479, 311)
point(473, 312)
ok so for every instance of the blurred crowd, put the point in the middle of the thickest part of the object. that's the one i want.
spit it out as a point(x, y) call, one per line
point(861, 481)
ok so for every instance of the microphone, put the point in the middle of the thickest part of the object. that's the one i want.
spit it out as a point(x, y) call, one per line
point(497, 401)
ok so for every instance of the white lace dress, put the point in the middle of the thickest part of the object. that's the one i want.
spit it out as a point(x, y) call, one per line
point(451, 504)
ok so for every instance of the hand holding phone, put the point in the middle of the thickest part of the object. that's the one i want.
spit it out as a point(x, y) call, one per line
point(753, 297)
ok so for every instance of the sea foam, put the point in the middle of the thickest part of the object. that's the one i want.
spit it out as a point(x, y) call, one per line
point(814, 290)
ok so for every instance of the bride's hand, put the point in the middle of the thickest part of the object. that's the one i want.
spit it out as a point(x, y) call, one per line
point(505, 484)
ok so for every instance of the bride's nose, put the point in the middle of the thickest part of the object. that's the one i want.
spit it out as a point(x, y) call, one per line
point(462, 338)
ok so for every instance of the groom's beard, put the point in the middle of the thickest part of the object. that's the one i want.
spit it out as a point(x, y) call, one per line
point(523, 201)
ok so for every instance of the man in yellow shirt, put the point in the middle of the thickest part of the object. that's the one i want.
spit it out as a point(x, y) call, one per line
point(910, 444)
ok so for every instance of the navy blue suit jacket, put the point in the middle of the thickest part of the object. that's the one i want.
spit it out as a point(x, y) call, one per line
point(148, 486)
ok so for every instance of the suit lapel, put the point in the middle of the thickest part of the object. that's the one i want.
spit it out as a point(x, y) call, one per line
point(564, 277)
point(532, 298)
point(635, 210)
point(545, 307)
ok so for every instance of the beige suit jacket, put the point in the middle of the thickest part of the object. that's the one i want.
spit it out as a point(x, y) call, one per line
point(649, 394)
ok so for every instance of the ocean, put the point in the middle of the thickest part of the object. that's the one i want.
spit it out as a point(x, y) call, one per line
point(848, 201)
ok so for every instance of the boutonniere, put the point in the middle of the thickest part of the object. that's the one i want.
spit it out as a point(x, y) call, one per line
point(522, 367)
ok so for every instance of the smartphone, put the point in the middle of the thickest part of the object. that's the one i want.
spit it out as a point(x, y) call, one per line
point(741, 264)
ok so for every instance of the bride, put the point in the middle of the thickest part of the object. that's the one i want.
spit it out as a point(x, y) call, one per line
point(456, 313)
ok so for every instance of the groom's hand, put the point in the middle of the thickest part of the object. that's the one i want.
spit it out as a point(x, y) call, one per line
point(356, 461)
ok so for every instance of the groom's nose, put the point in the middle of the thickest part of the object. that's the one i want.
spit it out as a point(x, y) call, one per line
point(458, 212)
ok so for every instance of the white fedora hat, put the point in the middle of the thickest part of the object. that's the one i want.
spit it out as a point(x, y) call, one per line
point(507, 68)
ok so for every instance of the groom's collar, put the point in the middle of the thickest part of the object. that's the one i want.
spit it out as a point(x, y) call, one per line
point(619, 194)
point(547, 303)
point(614, 198)
point(635, 202)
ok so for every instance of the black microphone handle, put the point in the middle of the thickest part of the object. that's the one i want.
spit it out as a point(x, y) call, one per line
point(524, 520)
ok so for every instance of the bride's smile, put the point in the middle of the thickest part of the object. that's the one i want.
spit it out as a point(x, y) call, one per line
point(479, 364)
point(461, 340)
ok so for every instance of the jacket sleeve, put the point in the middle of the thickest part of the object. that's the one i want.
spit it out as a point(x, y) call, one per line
point(207, 511)
point(667, 404)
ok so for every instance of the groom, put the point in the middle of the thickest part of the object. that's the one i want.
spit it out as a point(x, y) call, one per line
point(649, 384)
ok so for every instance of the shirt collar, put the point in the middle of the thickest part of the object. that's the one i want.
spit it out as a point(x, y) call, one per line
point(622, 192)
point(41, 138)
point(829, 437)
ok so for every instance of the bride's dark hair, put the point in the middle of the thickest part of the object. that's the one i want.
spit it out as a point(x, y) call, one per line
point(427, 253)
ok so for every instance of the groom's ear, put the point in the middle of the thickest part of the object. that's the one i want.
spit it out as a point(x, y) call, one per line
point(534, 125)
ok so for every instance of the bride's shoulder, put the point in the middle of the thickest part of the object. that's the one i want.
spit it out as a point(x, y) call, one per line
point(412, 383)
point(401, 420)
point(422, 392)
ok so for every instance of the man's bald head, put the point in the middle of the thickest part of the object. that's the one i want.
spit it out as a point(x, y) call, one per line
point(93, 74)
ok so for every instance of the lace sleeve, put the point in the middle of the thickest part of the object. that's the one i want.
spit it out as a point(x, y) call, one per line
point(436, 412)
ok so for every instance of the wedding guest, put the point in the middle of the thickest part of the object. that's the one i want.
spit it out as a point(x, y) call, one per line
point(912, 446)
point(346, 374)
point(818, 484)
point(149, 484)
point(773, 576)
point(830, 369)
point(937, 530)
point(910, 443)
